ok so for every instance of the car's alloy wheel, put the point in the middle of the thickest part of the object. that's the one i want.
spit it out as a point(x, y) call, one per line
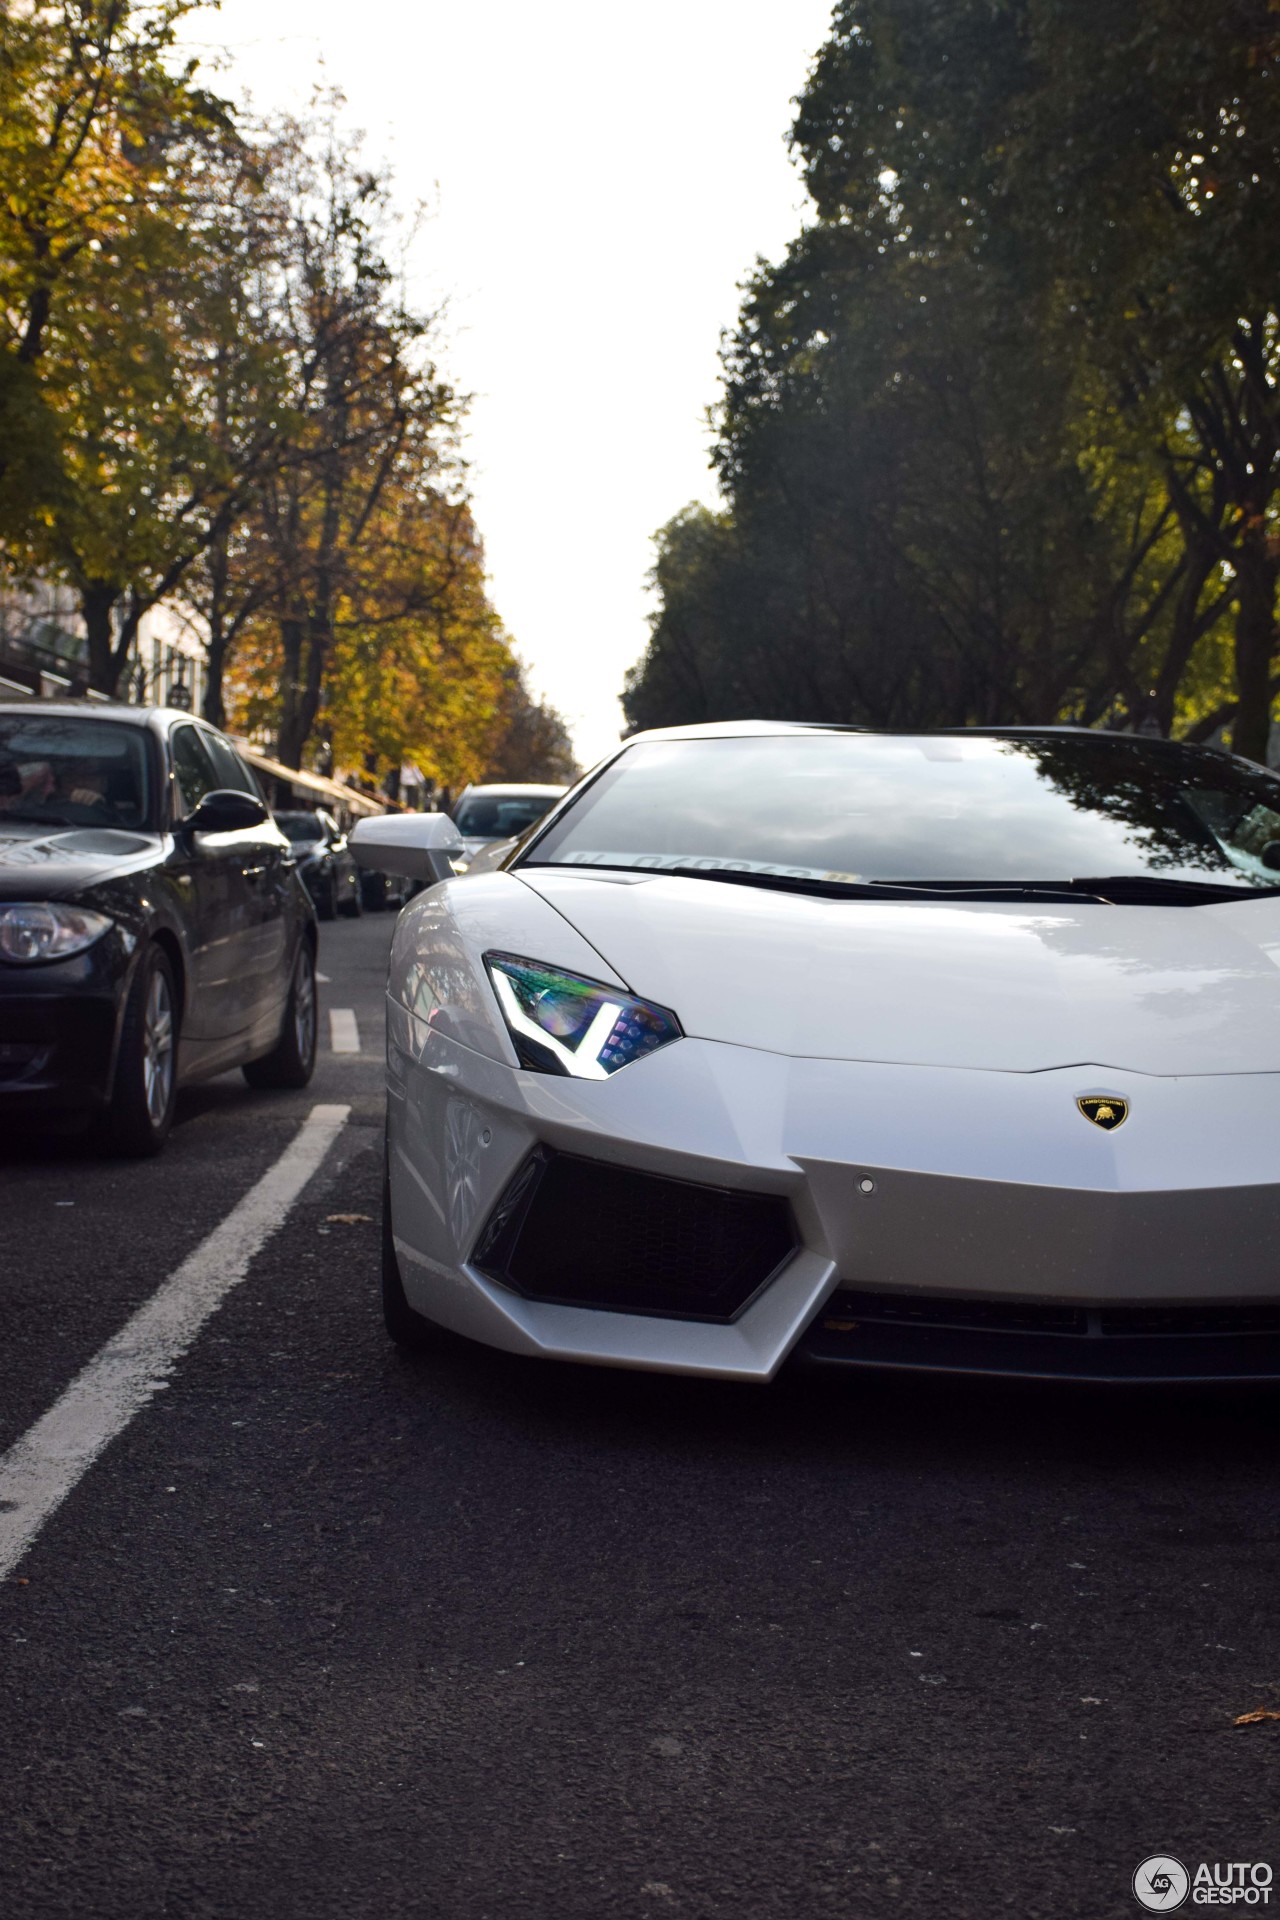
point(157, 1047)
point(140, 1113)
point(303, 1006)
point(292, 1060)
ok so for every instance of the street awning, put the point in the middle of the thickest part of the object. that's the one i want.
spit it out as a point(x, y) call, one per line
point(332, 791)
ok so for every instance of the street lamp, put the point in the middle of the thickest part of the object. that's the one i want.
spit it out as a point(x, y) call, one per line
point(180, 695)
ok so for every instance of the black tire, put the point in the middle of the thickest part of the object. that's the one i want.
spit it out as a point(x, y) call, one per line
point(407, 1328)
point(327, 901)
point(291, 1062)
point(140, 1113)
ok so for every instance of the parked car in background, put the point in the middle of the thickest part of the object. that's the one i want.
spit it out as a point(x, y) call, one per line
point(484, 815)
point(324, 862)
point(379, 890)
point(153, 928)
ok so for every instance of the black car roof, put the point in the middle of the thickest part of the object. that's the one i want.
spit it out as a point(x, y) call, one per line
point(119, 711)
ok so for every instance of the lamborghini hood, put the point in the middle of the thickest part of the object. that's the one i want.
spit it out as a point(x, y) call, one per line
point(1020, 989)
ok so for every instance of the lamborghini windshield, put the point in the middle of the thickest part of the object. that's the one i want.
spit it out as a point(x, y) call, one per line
point(844, 810)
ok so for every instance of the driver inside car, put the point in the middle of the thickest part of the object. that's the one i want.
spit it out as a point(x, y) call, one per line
point(24, 780)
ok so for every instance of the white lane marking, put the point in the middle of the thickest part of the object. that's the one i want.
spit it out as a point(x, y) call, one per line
point(344, 1034)
point(323, 978)
point(39, 1471)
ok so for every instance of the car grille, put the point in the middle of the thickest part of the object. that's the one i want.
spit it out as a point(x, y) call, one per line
point(581, 1233)
point(1197, 1341)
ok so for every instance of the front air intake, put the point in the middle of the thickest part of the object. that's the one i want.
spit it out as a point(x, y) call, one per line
point(580, 1233)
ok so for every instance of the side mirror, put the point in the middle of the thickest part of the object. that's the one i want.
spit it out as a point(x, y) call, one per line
point(418, 846)
point(1271, 856)
point(226, 810)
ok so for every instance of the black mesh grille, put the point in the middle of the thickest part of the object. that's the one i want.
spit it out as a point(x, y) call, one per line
point(935, 1311)
point(1043, 1340)
point(581, 1233)
point(998, 1315)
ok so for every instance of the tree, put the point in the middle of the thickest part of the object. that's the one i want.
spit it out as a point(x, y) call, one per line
point(371, 441)
point(1128, 162)
point(167, 392)
point(921, 530)
point(91, 104)
point(998, 435)
point(133, 356)
point(530, 740)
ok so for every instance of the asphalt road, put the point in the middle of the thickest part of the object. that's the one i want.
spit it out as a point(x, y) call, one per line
point(327, 1632)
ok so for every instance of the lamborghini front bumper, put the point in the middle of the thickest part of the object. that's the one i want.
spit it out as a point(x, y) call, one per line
point(989, 1193)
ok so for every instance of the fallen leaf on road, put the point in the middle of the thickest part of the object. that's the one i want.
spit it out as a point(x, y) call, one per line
point(348, 1219)
point(1252, 1719)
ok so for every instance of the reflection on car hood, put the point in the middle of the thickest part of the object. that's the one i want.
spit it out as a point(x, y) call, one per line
point(36, 863)
point(1019, 988)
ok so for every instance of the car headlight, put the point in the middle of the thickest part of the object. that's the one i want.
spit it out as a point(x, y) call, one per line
point(561, 1023)
point(34, 930)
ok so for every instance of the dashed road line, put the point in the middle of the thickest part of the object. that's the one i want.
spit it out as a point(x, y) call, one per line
point(39, 1471)
point(344, 1034)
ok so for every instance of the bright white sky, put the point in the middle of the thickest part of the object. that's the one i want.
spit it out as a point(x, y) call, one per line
point(602, 178)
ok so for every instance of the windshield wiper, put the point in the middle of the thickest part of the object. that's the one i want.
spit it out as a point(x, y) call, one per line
point(1109, 890)
point(1155, 886)
point(851, 889)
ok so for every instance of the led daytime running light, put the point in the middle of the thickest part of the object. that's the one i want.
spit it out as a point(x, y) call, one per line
point(564, 1024)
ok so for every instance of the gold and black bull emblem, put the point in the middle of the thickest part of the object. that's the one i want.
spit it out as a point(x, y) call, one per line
point(1106, 1110)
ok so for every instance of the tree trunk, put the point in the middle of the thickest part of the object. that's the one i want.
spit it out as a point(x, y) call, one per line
point(291, 738)
point(319, 636)
point(1188, 630)
point(214, 707)
point(97, 602)
point(1256, 573)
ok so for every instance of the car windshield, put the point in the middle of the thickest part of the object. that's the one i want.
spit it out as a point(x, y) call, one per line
point(841, 809)
point(60, 771)
point(499, 816)
point(299, 826)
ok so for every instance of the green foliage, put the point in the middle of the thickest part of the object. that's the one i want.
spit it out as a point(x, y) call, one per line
point(999, 433)
point(213, 390)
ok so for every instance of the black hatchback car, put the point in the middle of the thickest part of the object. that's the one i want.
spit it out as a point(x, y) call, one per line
point(153, 928)
point(325, 865)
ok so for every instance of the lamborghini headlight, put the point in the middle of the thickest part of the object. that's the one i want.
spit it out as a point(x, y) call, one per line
point(561, 1023)
point(34, 930)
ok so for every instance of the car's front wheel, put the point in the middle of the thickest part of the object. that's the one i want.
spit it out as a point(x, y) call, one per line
point(140, 1113)
point(292, 1060)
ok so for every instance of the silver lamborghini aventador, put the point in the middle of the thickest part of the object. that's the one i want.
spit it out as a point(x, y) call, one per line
point(955, 1051)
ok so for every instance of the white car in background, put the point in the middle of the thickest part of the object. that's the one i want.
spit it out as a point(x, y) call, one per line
point(487, 814)
point(954, 1051)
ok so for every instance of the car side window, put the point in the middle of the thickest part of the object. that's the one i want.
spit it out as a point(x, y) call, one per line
point(193, 767)
point(228, 765)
